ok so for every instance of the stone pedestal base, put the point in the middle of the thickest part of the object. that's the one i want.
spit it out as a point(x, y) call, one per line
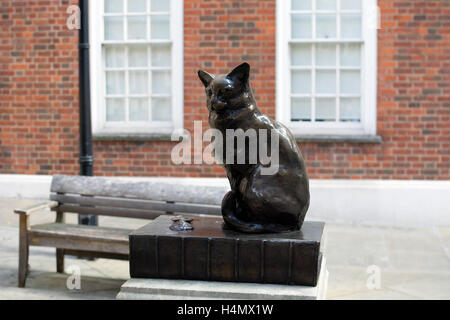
point(162, 289)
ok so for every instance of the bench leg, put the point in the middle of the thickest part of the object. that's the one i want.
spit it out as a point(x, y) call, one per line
point(23, 250)
point(59, 260)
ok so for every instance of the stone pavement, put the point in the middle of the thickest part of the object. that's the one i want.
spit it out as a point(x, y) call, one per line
point(412, 263)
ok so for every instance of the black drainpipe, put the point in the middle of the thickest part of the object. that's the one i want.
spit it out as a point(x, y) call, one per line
point(86, 157)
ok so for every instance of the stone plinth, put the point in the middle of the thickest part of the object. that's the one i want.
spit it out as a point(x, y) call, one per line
point(163, 289)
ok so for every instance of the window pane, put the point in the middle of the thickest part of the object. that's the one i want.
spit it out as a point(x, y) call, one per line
point(351, 26)
point(325, 110)
point(115, 110)
point(137, 56)
point(137, 6)
point(137, 27)
point(115, 82)
point(113, 28)
point(326, 4)
point(113, 6)
point(326, 55)
point(350, 109)
point(301, 54)
point(160, 5)
point(326, 82)
point(300, 81)
point(301, 26)
point(350, 82)
point(161, 82)
point(161, 109)
point(326, 26)
point(138, 109)
point(351, 4)
point(114, 57)
point(138, 82)
point(160, 28)
point(301, 4)
point(161, 56)
point(350, 55)
point(300, 109)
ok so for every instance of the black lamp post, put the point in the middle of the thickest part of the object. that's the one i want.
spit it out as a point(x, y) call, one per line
point(86, 157)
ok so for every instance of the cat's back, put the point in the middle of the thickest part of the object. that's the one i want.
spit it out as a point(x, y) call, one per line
point(287, 141)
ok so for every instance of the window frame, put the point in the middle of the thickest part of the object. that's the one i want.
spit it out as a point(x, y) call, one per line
point(367, 125)
point(97, 82)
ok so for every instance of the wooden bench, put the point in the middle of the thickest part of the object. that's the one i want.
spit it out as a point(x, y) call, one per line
point(119, 197)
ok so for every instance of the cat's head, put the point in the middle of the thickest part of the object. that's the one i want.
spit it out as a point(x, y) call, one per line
point(228, 92)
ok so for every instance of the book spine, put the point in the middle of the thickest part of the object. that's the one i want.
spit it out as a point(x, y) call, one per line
point(235, 260)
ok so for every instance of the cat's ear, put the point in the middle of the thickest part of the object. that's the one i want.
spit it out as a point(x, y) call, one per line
point(241, 72)
point(205, 77)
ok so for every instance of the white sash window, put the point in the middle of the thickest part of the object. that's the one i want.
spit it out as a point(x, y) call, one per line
point(326, 66)
point(137, 65)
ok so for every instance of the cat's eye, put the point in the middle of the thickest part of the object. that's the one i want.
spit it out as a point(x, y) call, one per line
point(225, 91)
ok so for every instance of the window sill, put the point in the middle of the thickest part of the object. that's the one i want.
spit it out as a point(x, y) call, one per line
point(332, 138)
point(132, 137)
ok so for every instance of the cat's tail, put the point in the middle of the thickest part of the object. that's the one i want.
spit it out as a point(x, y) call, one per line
point(229, 207)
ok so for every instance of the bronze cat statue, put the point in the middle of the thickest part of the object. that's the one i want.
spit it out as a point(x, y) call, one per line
point(257, 202)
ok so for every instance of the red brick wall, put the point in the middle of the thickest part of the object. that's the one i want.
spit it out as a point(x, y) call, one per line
point(413, 93)
point(39, 91)
point(38, 88)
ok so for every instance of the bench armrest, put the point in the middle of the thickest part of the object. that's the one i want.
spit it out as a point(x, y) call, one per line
point(36, 207)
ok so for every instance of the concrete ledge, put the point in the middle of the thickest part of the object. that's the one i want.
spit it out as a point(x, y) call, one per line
point(161, 289)
point(21, 186)
point(398, 203)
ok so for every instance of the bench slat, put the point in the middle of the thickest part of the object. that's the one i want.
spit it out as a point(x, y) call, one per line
point(90, 254)
point(80, 237)
point(90, 232)
point(108, 211)
point(140, 188)
point(36, 207)
point(138, 204)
